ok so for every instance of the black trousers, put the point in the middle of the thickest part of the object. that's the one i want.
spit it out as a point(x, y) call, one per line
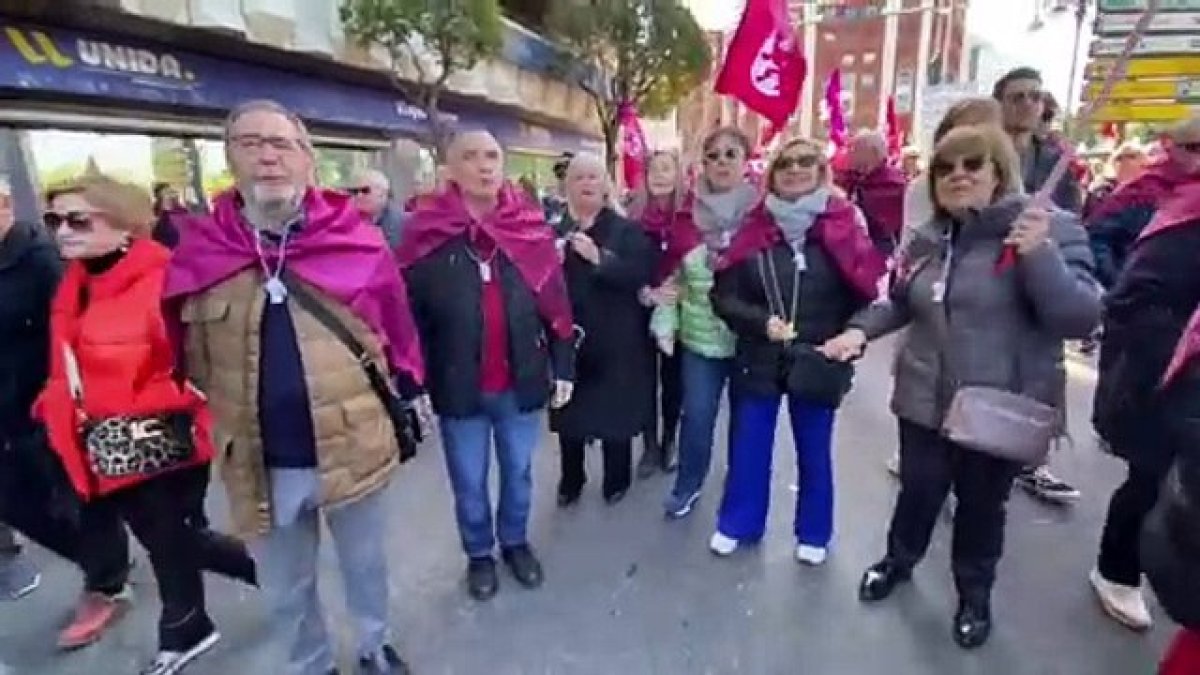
point(668, 404)
point(618, 462)
point(159, 514)
point(930, 466)
point(1120, 558)
point(37, 500)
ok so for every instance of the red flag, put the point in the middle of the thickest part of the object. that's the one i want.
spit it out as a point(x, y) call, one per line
point(895, 135)
point(764, 67)
point(633, 145)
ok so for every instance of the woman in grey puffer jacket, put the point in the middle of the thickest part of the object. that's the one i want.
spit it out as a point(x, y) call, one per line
point(989, 289)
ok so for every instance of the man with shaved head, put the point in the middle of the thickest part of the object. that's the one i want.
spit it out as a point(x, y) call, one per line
point(876, 188)
point(491, 303)
point(372, 193)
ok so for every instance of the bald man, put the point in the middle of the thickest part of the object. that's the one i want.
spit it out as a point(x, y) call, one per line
point(876, 188)
point(372, 194)
point(491, 303)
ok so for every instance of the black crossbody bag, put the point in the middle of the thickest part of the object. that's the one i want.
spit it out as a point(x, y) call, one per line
point(405, 422)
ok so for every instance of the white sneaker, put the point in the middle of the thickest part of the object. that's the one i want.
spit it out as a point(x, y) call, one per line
point(893, 465)
point(1125, 604)
point(811, 555)
point(170, 663)
point(722, 545)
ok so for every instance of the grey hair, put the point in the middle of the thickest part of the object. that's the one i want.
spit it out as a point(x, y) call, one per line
point(872, 138)
point(592, 160)
point(1184, 127)
point(267, 105)
point(375, 177)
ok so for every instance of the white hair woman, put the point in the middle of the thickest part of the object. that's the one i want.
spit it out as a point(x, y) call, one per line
point(607, 261)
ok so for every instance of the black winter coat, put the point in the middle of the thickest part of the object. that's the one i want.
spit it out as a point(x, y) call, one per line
point(445, 291)
point(29, 273)
point(1171, 536)
point(740, 299)
point(615, 367)
point(1145, 314)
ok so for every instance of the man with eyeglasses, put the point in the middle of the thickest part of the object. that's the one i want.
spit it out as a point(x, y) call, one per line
point(278, 292)
point(372, 193)
point(1022, 104)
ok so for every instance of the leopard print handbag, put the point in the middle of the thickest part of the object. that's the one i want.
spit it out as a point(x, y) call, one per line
point(126, 446)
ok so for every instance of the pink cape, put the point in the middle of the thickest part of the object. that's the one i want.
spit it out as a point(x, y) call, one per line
point(1182, 209)
point(880, 196)
point(1159, 180)
point(839, 233)
point(335, 250)
point(520, 231)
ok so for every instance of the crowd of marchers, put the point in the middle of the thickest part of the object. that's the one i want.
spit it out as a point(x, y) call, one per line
point(304, 340)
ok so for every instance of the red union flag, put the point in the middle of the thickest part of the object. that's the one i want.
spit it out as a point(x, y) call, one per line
point(764, 67)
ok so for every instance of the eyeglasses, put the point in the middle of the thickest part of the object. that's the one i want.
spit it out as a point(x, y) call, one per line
point(255, 142)
point(731, 154)
point(1192, 148)
point(356, 191)
point(76, 221)
point(1031, 96)
point(973, 164)
point(800, 162)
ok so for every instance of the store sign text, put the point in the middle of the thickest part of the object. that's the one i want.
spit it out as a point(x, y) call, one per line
point(39, 49)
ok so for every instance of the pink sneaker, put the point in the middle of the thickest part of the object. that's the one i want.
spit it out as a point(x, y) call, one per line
point(94, 614)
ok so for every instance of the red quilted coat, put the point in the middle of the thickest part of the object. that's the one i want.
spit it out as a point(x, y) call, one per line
point(114, 323)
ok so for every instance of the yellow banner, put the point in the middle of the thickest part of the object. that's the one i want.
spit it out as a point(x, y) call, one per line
point(1177, 90)
point(1148, 67)
point(1123, 112)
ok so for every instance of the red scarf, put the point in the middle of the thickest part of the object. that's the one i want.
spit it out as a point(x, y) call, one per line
point(520, 231)
point(837, 231)
point(1182, 209)
point(675, 233)
point(1159, 180)
point(880, 195)
point(1183, 656)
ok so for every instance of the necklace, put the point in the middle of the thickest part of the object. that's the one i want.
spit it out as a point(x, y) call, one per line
point(484, 264)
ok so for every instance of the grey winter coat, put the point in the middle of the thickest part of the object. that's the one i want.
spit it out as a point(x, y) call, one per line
point(1002, 328)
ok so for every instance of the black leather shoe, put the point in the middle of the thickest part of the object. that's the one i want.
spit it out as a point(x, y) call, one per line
point(482, 582)
point(880, 580)
point(524, 566)
point(568, 497)
point(616, 497)
point(972, 624)
point(391, 664)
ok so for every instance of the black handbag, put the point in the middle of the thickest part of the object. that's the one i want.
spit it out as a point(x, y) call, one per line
point(807, 373)
point(405, 422)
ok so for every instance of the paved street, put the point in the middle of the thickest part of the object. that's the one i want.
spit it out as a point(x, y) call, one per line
point(630, 594)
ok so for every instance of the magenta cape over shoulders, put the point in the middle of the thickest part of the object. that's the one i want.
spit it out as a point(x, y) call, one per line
point(336, 250)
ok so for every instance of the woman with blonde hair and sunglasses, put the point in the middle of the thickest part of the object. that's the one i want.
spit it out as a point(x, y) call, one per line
point(989, 288)
point(131, 432)
point(796, 272)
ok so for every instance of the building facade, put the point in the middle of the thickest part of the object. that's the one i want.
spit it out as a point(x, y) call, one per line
point(138, 88)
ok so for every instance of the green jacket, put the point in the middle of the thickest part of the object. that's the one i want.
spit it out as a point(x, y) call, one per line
point(692, 321)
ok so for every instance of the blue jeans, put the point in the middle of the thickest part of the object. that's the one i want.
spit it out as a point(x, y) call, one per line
point(467, 442)
point(743, 513)
point(704, 380)
point(287, 567)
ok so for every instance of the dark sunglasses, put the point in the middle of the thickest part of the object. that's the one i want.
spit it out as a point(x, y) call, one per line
point(1035, 96)
point(799, 162)
point(715, 155)
point(1190, 148)
point(356, 191)
point(77, 221)
point(973, 164)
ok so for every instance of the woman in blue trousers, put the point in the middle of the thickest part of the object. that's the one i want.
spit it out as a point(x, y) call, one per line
point(800, 266)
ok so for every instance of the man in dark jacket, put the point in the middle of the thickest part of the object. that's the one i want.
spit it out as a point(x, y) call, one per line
point(34, 496)
point(1022, 103)
point(372, 192)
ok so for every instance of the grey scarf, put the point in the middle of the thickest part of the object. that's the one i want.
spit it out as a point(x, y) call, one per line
point(719, 215)
point(795, 219)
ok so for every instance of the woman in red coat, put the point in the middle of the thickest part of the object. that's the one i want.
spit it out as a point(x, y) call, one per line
point(133, 435)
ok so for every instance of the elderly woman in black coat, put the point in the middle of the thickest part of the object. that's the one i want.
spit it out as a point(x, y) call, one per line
point(607, 260)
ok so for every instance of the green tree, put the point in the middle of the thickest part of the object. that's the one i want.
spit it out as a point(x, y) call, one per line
point(435, 38)
point(651, 53)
